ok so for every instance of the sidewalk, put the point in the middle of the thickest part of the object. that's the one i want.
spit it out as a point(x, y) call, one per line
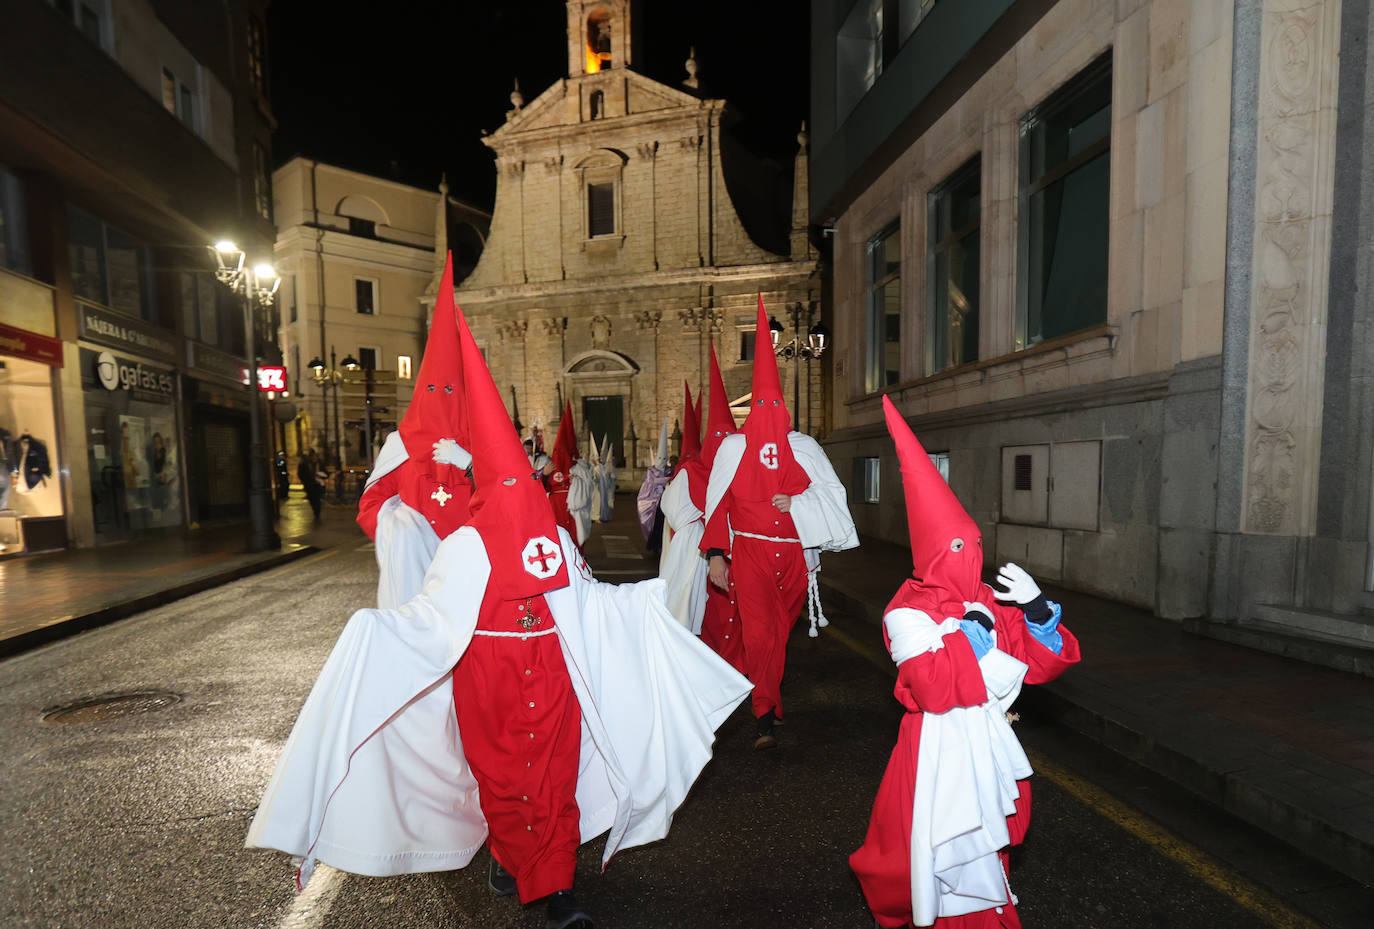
point(1283, 745)
point(51, 596)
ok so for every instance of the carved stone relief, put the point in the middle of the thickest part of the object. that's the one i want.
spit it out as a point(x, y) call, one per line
point(601, 332)
point(1292, 207)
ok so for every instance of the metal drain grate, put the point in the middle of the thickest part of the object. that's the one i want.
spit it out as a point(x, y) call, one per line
point(109, 706)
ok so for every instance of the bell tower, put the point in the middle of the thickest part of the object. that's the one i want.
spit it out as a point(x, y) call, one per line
point(600, 37)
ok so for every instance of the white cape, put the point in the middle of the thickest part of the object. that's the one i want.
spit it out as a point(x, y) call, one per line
point(373, 780)
point(405, 542)
point(682, 565)
point(580, 491)
point(820, 513)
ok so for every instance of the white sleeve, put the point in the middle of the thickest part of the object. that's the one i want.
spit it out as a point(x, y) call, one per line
point(821, 512)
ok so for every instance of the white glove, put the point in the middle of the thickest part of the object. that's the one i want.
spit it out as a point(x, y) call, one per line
point(1020, 586)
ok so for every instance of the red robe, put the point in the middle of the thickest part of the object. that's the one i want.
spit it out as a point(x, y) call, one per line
point(720, 628)
point(521, 728)
point(935, 682)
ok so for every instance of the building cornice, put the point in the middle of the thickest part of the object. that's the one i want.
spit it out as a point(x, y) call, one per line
point(639, 280)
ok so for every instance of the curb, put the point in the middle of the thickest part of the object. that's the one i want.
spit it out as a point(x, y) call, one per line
point(72, 625)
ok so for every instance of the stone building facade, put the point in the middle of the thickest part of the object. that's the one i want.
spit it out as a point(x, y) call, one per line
point(356, 254)
point(629, 230)
point(1137, 344)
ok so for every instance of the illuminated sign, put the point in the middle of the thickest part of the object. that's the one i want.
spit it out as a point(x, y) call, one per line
point(271, 377)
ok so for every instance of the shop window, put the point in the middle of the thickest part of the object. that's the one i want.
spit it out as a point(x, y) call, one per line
point(109, 267)
point(1064, 204)
point(953, 237)
point(14, 233)
point(600, 210)
point(884, 329)
point(365, 296)
point(30, 493)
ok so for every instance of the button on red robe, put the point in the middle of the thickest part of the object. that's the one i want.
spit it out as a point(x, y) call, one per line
point(521, 729)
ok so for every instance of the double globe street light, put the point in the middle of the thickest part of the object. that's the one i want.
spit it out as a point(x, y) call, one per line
point(258, 287)
point(325, 378)
point(813, 346)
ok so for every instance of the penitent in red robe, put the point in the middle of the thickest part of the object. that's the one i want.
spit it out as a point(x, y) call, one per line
point(934, 682)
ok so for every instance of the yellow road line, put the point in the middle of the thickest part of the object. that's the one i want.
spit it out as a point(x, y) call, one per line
point(1204, 867)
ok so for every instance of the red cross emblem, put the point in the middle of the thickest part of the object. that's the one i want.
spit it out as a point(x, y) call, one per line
point(541, 557)
point(768, 455)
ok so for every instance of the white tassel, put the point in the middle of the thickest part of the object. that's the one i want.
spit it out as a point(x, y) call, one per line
point(813, 604)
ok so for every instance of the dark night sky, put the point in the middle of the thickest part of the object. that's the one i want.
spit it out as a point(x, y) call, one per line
point(415, 82)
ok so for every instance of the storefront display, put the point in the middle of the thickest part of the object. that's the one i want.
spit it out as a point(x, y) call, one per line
point(132, 440)
point(30, 492)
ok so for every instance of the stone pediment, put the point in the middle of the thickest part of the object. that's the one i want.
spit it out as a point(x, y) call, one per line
point(602, 362)
point(552, 109)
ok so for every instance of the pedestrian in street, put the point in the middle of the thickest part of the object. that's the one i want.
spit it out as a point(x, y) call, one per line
point(311, 474)
point(507, 640)
point(955, 795)
point(283, 475)
point(559, 471)
point(605, 477)
point(681, 564)
point(418, 491)
point(773, 504)
point(656, 478)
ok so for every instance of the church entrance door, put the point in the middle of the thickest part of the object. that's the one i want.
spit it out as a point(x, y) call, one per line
point(606, 416)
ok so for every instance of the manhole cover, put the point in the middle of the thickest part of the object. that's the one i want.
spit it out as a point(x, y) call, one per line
point(110, 706)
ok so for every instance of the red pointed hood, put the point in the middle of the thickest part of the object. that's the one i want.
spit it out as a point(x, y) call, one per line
point(509, 508)
point(437, 409)
point(691, 426)
point(946, 544)
point(565, 452)
point(768, 466)
point(720, 421)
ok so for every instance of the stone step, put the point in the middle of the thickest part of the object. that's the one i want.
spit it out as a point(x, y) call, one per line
point(1356, 631)
point(1281, 640)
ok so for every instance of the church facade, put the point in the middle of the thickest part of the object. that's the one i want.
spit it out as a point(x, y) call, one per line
point(629, 232)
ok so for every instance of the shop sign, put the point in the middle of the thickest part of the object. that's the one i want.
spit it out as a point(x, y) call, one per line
point(24, 344)
point(110, 328)
point(211, 361)
point(271, 377)
point(142, 381)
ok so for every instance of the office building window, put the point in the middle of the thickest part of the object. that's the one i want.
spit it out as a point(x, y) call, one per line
point(866, 489)
point(89, 16)
point(109, 267)
point(262, 182)
point(600, 210)
point(403, 367)
point(883, 363)
point(954, 209)
point(178, 99)
point(14, 233)
point(858, 54)
point(1065, 162)
point(257, 57)
point(365, 296)
point(910, 14)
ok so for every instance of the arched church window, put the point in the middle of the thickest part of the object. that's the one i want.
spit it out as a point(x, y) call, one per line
point(598, 41)
point(597, 104)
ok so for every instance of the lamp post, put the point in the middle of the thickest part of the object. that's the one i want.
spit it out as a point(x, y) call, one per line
point(258, 288)
point(326, 378)
point(815, 343)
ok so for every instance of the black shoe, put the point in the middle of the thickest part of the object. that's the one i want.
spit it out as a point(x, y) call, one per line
point(564, 913)
point(765, 738)
point(500, 881)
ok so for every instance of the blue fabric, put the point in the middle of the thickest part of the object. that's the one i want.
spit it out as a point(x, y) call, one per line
point(978, 637)
point(1045, 633)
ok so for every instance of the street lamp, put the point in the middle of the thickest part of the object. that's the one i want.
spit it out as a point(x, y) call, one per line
point(258, 286)
point(797, 348)
point(326, 378)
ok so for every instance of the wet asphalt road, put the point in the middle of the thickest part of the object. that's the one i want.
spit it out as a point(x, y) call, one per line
point(138, 820)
